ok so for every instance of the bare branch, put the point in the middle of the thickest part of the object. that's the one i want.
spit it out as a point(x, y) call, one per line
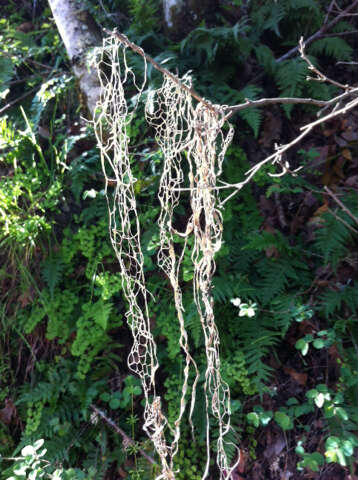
point(321, 77)
point(335, 113)
point(341, 204)
point(337, 217)
point(263, 102)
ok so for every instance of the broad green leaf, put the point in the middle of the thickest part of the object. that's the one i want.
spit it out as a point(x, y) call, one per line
point(253, 419)
point(283, 420)
point(318, 343)
point(302, 345)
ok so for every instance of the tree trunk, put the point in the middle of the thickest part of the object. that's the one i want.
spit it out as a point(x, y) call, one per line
point(171, 8)
point(80, 34)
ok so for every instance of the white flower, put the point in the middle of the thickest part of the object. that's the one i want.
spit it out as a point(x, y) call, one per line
point(235, 301)
point(247, 309)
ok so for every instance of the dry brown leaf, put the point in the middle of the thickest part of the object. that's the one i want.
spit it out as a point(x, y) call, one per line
point(7, 412)
point(346, 153)
point(300, 378)
point(271, 130)
point(320, 210)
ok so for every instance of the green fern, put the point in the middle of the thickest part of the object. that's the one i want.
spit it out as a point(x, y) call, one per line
point(265, 240)
point(7, 70)
point(319, 90)
point(334, 47)
point(143, 15)
point(52, 270)
point(298, 4)
point(332, 239)
point(291, 77)
point(53, 88)
point(281, 308)
point(193, 325)
point(253, 116)
point(230, 286)
point(333, 300)
point(268, 17)
point(266, 58)
point(276, 275)
point(257, 341)
point(205, 42)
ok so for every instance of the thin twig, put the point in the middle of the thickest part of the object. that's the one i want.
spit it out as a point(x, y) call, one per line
point(125, 437)
point(340, 34)
point(336, 113)
point(329, 11)
point(341, 204)
point(337, 217)
point(164, 71)
point(347, 63)
point(321, 77)
point(271, 101)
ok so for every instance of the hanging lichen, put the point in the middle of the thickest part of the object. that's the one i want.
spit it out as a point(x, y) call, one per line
point(185, 133)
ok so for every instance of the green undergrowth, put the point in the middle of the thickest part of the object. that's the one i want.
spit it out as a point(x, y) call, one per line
point(285, 288)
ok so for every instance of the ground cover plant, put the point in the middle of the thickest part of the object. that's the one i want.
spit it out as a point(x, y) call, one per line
point(285, 282)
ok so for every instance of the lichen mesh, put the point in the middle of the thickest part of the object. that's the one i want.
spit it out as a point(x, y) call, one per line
point(206, 153)
point(185, 133)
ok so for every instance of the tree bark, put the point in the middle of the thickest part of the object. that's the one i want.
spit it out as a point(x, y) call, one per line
point(80, 34)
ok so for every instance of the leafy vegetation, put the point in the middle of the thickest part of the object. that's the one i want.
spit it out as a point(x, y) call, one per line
point(285, 289)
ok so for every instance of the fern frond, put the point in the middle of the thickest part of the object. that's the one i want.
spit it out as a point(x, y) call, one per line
point(332, 238)
point(331, 301)
point(275, 276)
point(264, 240)
point(269, 16)
point(230, 286)
point(193, 325)
point(252, 116)
point(52, 270)
point(204, 42)
point(265, 57)
point(334, 47)
point(261, 343)
point(281, 312)
point(291, 77)
point(319, 90)
point(297, 4)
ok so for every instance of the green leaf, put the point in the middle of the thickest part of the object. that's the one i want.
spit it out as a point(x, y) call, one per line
point(253, 419)
point(115, 403)
point(341, 413)
point(283, 420)
point(319, 343)
point(302, 345)
point(299, 449)
point(332, 443)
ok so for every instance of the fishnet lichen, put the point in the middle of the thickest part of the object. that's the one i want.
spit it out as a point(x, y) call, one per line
point(112, 118)
point(185, 133)
point(169, 111)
